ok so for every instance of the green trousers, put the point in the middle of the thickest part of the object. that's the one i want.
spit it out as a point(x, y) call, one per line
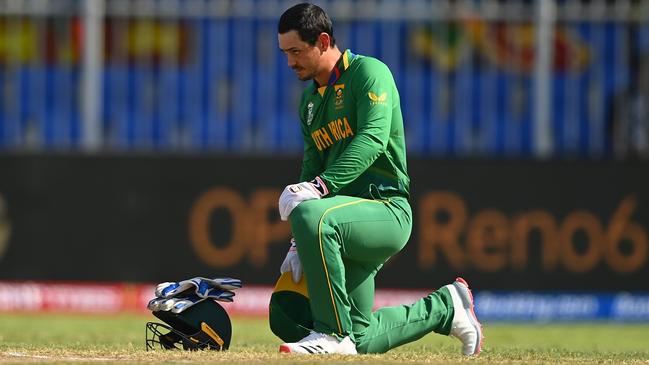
point(342, 243)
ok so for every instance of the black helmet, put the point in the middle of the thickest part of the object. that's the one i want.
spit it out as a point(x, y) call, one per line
point(203, 326)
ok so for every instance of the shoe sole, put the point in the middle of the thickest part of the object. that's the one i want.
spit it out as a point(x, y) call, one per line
point(283, 349)
point(467, 301)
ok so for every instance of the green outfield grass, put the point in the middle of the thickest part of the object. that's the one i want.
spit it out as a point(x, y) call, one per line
point(64, 339)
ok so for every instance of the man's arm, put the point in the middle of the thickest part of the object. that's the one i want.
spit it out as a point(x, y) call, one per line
point(311, 163)
point(373, 88)
point(311, 167)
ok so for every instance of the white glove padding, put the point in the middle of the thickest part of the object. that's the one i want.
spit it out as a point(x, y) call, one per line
point(292, 263)
point(180, 303)
point(297, 193)
point(201, 286)
point(175, 305)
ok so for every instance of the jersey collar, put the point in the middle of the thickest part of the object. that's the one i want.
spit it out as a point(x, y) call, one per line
point(342, 65)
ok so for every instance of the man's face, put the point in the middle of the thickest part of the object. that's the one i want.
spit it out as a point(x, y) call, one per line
point(302, 57)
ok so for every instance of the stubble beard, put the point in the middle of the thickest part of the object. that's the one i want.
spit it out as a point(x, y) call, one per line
point(308, 77)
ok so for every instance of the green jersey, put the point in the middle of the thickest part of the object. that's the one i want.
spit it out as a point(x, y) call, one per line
point(353, 131)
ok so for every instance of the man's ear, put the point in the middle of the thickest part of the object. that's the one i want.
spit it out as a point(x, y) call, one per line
point(325, 41)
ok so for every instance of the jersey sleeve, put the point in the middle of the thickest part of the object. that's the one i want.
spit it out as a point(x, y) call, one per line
point(373, 89)
point(311, 162)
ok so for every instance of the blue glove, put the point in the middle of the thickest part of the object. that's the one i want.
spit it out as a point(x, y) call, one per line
point(175, 305)
point(199, 285)
point(178, 296)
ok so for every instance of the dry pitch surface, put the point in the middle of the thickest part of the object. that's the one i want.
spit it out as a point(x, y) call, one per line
point(88, 339)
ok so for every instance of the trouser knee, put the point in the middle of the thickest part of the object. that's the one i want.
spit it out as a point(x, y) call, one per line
point(305, 223)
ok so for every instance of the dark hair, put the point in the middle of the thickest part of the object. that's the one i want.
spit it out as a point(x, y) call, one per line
point(308, 20)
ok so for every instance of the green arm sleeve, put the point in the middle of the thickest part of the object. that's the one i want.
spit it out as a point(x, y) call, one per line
point(373, 89)
point(311, 164)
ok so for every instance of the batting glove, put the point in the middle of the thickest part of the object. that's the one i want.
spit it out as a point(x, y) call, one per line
point(297, 193)
point(292, 263)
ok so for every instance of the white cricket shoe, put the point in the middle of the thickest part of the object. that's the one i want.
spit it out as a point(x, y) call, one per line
point(320, 343)
point(465, 325)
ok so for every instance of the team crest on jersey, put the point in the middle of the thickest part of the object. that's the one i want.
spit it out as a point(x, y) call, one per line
point(377, 99)
point(338, 90)
point(309, 113)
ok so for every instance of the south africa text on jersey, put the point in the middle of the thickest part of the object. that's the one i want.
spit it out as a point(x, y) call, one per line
point(338, 128)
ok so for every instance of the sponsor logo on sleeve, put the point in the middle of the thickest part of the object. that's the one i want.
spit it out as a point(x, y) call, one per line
point(309, 113)
point(377, 99)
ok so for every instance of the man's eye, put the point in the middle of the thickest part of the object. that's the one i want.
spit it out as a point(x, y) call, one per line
point(295, 52)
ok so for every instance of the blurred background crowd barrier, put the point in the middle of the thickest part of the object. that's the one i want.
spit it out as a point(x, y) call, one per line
point(497, 79)
point(148, 140)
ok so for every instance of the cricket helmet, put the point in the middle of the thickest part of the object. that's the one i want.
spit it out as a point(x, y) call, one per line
point(203, 326)
point(289, 314)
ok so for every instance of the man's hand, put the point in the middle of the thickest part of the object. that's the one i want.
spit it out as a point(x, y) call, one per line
point(292, 263)
point(297, 193)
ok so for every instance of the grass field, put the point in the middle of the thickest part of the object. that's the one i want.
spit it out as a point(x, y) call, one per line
point(78, 339)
